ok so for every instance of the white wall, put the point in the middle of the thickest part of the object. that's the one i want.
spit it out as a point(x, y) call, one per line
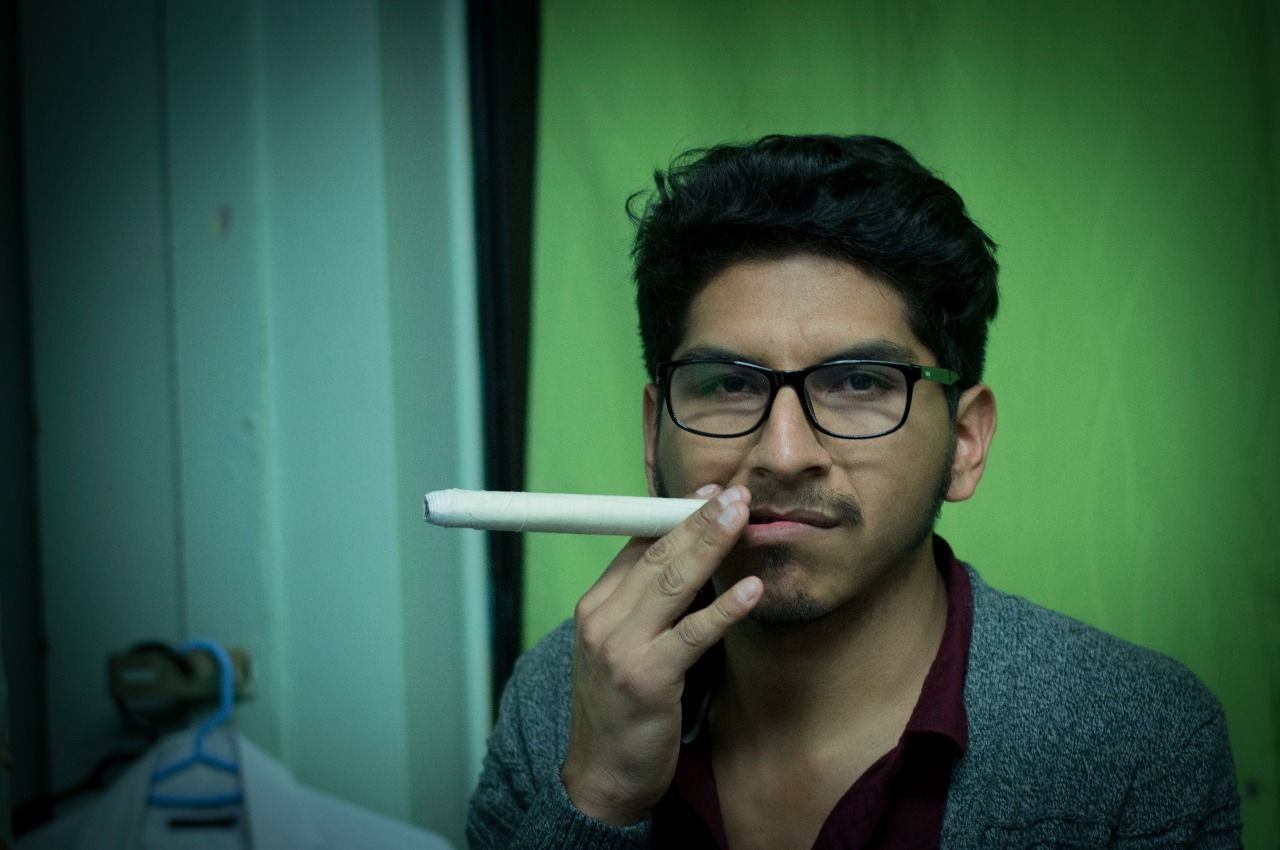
point(253, 341)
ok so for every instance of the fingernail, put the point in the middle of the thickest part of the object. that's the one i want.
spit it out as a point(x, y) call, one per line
point(749, 591)
point(728, 497)
point(708, 490)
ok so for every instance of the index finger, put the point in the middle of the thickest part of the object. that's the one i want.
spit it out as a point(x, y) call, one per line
point(604, 586)
point(607, 583)
point(665, 579)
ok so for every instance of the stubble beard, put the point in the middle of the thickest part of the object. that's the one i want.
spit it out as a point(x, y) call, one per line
point(797, 607)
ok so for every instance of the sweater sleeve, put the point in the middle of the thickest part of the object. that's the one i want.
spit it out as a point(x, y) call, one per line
point(520, 801)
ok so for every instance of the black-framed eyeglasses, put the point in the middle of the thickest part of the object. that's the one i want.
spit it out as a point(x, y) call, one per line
point(850, 399)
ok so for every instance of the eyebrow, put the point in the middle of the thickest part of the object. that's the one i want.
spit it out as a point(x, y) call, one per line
point(877, 349)
point(871, 349)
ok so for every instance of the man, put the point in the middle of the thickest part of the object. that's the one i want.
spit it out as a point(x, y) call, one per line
point(803, 663)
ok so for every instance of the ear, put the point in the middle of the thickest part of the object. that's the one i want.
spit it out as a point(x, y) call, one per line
point(650, 412)
point(975, 425)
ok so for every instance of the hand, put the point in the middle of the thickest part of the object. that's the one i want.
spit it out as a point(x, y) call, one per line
point(631, 651)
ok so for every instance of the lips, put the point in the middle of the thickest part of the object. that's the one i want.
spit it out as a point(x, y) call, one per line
point(769, 516)
point(772, 526)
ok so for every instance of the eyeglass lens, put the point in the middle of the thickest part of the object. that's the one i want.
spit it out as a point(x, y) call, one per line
point(848, 399)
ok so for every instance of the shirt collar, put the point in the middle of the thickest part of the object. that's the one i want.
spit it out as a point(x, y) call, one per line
point(940, 708)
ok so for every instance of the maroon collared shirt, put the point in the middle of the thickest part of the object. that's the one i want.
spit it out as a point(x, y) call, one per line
point(900, 800)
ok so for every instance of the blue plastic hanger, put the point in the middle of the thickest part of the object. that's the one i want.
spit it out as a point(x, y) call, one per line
point(199, 755)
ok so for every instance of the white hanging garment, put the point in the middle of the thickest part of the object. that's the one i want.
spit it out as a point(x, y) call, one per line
point(271, 810)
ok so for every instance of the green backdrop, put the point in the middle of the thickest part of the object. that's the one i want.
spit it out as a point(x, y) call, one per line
point(1124, 157)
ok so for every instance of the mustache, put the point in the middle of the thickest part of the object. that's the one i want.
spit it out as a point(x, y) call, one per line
point(810, 497)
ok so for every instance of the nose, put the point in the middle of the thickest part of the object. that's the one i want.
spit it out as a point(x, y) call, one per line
point(787, 447)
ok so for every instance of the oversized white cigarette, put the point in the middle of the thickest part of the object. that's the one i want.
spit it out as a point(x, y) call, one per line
point(631, 516)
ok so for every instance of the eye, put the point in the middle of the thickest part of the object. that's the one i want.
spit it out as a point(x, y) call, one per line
point(856, 381)
point(728, 384)
point(718, 382)
point(733, 383)
point(860, 381)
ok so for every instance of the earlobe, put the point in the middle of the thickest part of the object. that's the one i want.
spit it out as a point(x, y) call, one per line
point(975, 425)
point(650, 412)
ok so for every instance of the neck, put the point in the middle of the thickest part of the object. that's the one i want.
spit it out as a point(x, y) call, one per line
point(852, 667)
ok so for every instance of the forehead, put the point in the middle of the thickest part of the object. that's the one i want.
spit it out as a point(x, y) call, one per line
point(795, 311)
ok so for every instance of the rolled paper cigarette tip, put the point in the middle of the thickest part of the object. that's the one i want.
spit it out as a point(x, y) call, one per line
point(631, 516)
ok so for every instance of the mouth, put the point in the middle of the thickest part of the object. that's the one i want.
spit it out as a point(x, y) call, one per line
point(769, 516)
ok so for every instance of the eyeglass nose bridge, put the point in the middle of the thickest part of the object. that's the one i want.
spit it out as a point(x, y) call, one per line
point(794, 379)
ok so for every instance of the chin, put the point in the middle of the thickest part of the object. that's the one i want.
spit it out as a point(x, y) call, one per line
point(787, 600)
point(783, 610)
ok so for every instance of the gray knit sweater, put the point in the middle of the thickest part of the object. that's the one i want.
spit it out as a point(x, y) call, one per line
point(1076, 739)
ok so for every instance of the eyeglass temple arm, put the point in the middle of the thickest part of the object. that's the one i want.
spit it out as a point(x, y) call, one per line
point(937, 373)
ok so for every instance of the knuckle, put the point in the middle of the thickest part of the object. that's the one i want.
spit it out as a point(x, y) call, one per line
point(709, 530)
point(692, 631)
point(588, 634)
point(661, 551)
point(705, 517)
point(610, 653)
point(711, 537)
point(594, 633)
point(712, 532)
point(723, 610)
point(632, 683)
point(671, 581)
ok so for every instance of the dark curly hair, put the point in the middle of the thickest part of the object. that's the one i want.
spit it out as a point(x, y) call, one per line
point(861, 199)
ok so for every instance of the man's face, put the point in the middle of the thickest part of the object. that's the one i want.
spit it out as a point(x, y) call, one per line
point(853, 512)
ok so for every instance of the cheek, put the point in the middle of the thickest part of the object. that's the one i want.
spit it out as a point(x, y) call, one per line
point(928, 469)
point(684, 462)
point(900, 478)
